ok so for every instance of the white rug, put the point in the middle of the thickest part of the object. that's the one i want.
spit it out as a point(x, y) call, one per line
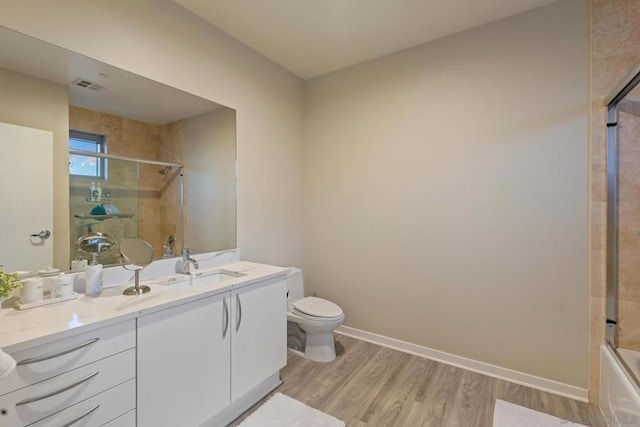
point(283, 411)
point(507, 414)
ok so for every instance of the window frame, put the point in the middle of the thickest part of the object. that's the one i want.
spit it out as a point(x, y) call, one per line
point(101, 144)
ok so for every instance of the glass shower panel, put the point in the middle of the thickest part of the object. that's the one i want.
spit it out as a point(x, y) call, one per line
point(628, 219)
point(160, 204)
point(623, 226)
point(114, 210)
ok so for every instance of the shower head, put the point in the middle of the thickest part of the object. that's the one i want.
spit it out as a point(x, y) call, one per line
point(164, 170)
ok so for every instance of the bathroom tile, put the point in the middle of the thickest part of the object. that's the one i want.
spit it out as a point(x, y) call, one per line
point(598, 226)
point(629, 275)
point(597, 338)
point(628, 321)
point(628, 134)
point(136, 126)
point(82, 119)
point(597, 321)
point(594, 374)
point(598, 186)
point(614, 20)
point(598, 268)
point(609, 72)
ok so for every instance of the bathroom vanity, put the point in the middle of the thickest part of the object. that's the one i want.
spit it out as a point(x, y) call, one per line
point(196, 350)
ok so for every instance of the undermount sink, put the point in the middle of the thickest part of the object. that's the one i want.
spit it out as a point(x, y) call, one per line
point(171, 280)
point(198, 278)
point(213, 276)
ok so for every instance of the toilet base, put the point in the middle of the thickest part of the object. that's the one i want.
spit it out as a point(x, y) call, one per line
point(320, 347)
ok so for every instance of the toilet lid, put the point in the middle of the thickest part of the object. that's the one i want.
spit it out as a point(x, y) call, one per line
point(317, 307)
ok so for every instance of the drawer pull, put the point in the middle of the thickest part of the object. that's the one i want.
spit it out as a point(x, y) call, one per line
point(70, 423)
point(239, 314)
point(53, 393)
point(226, 317)
point(53, 356)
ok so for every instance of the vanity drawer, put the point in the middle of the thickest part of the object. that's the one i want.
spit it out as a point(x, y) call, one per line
point(40, 400)
point(107, 407)
point(45, 361)
point(126, 420)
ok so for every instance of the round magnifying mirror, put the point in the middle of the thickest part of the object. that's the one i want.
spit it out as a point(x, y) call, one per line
point(135, 254)
point(95, 242)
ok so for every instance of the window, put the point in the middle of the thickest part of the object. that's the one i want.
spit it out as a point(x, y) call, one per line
point(87, 166)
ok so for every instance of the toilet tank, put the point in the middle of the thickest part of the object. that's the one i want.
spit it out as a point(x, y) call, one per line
point(295, 287)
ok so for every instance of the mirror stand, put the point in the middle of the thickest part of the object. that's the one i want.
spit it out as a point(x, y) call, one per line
point(136, 289)
point(137, 254)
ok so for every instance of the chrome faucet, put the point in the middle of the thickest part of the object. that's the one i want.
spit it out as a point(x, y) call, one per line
point(186, 260)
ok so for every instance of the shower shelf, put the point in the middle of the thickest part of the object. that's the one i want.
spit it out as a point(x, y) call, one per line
point(104, 199)
point(122, 215)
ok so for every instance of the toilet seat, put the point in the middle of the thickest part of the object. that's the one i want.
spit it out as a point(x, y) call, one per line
point(319, 309)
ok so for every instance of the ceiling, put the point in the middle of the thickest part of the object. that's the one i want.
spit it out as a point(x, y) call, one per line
point(315, 37)
point(124, 94)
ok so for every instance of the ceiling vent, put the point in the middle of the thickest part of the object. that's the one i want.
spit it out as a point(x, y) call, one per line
point(87, 84)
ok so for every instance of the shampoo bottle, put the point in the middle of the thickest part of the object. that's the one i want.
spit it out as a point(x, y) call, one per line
point(93, 192)
point(99, 193)
point(93, 278)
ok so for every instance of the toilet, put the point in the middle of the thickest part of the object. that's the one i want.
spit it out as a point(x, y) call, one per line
point(317, 317)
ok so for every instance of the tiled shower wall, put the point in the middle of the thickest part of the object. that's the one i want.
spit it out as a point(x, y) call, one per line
point(153, 198)
point(615, 50)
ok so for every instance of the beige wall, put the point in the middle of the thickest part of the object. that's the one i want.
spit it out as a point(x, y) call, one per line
point(615, 50)
point(446, 193)
point(211, 180)
point(162, 41)
point(27, 101)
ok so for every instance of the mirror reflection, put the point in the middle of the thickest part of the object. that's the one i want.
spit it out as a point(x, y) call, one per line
point(113, 111)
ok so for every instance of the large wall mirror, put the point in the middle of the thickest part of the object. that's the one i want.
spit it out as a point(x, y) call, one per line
point(168, 175)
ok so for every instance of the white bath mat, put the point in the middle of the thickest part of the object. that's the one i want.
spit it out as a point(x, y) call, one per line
point(507, 414)
point(283, 411)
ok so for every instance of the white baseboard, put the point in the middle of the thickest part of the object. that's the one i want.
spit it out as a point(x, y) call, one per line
point(488, 369)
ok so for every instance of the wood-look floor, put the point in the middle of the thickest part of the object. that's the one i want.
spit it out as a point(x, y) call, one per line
point(369, 385)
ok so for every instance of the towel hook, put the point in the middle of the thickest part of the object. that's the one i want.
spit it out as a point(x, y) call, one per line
point(43, 234)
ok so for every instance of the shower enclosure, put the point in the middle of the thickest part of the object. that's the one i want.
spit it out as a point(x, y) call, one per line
point(136, 198)
point(623, 225)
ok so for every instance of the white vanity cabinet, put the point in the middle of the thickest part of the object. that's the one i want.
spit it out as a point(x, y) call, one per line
point(183, 363)
point(259, 338)
point(197, 360)
point(72, 381)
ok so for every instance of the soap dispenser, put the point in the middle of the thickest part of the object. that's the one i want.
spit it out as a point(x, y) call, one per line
point(93, 278)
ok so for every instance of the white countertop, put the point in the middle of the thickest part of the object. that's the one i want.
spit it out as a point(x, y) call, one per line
point(21, 329)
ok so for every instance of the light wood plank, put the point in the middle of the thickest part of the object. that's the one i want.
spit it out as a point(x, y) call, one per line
point(369, 385)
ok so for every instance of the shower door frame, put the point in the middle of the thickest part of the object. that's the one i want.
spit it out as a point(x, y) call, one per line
point(611, 332)
point(178, 166)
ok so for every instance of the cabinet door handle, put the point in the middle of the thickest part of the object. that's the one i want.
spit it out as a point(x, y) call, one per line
point(53, 356)
point(239, 315)
point(53, 393)
point(226, 317)
point(84, 414)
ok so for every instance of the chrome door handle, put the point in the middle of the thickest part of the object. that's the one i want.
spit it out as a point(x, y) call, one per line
point(53, 356)
point(84, 414)
point(225, 319)
point(239, 315)
point(43, 234)
point(54, 393)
